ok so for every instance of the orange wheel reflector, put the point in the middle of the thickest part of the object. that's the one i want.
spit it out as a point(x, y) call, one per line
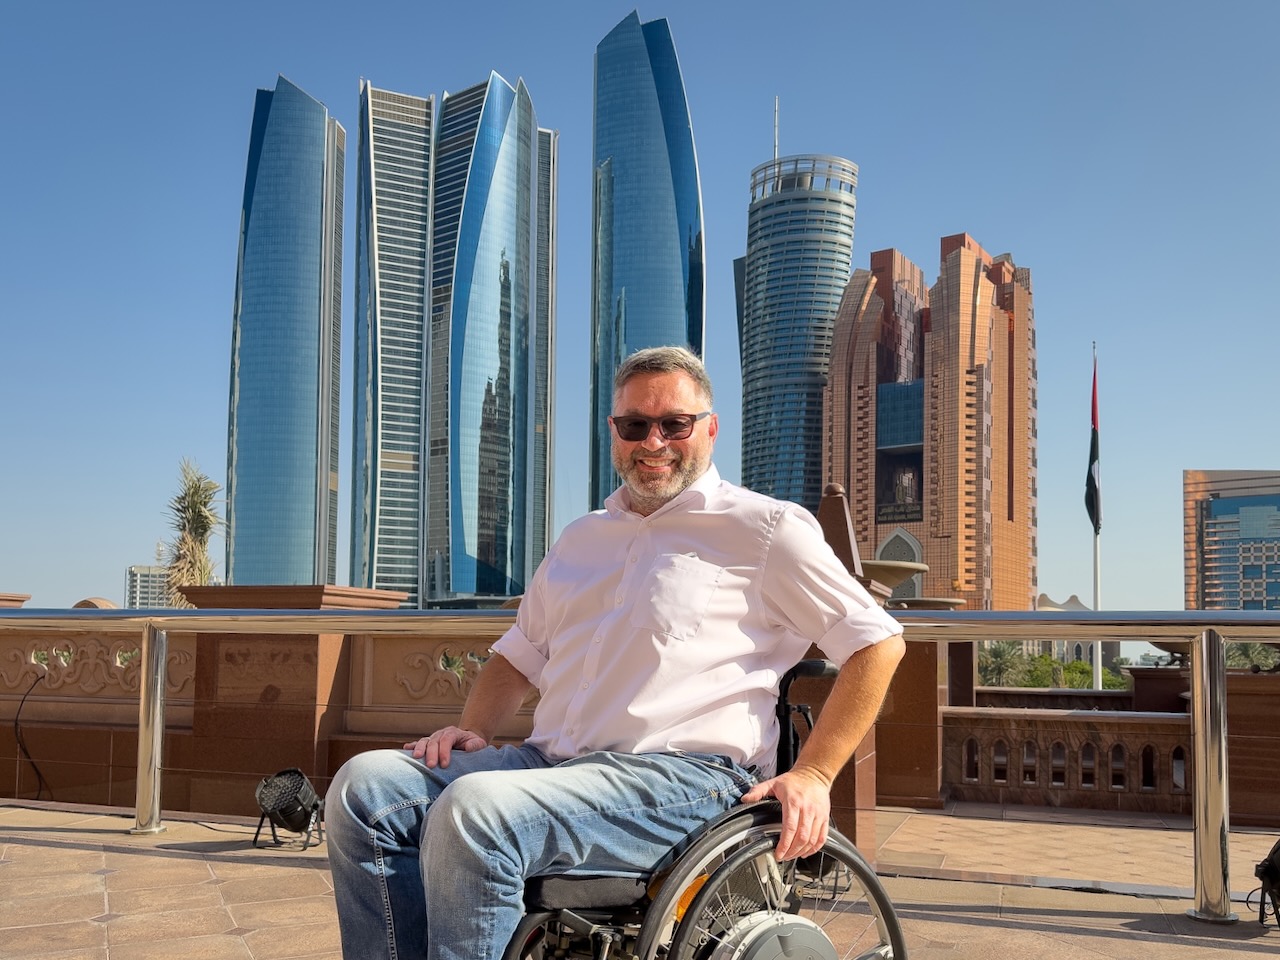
point(689, 893)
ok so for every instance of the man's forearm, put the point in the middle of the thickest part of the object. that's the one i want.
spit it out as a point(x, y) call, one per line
point(498, 692)
point(850, 709)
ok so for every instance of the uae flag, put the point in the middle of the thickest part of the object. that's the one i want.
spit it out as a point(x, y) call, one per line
point(1093, 482)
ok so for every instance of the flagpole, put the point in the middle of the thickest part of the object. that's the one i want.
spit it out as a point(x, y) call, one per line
point(1097, 605)
point(1097, 540)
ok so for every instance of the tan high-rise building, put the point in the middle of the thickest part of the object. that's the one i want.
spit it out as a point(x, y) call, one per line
point(930, 422)
point(1231, 539)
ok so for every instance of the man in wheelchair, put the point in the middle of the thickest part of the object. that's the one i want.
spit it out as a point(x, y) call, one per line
point(655, 633)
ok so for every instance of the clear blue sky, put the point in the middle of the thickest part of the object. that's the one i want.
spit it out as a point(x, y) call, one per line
point(1126, 152)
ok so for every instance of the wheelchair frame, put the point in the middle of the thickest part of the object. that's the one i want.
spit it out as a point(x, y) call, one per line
point(724, 895)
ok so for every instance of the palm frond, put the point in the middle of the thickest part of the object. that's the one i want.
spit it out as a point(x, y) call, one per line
point(193, 514)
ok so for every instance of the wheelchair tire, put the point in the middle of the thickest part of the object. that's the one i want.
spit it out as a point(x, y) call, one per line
point(727, 896)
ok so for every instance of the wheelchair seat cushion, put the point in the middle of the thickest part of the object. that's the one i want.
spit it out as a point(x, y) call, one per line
point(558, 892)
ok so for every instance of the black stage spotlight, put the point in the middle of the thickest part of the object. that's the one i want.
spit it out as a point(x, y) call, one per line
point(288, 800)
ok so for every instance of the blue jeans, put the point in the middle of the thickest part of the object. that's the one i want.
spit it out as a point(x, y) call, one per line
point(431, 861)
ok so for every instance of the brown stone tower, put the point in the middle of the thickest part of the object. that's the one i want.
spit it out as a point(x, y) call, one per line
point(930, 422)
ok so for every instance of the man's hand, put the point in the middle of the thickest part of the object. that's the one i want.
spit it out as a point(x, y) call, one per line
point(435, 749)
point(498, 691)
point(848, 713)
point(806, 811)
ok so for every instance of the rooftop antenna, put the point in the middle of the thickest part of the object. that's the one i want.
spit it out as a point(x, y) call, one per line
point(775, 129)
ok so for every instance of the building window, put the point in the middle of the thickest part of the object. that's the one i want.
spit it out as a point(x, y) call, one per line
point(1179, 766)
point(1029, 755)
point(1148, 765)
point(1058, 764)
point(1118, 780)
point(971, 760)
point(1000, 762)
point(1088, 767)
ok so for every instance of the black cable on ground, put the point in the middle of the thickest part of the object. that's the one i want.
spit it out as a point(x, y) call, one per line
point(41, 783)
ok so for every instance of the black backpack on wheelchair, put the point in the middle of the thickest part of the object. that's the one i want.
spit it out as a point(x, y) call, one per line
point(724, 894)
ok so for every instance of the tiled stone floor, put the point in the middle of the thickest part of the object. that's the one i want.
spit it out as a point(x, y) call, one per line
point(971, 883)
point(1132, 853)
point(75, 885)
point(954, 920)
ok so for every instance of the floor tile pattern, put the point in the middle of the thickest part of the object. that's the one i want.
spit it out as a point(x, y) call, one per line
point(76, 885)
point(972, 882)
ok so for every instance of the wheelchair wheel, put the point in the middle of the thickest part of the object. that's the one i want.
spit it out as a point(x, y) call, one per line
point(728, 896)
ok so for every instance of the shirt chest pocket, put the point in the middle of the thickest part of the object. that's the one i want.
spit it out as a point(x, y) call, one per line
point(674, 595)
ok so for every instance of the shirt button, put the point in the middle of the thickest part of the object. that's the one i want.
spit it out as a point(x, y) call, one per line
point(585, 685)
point(597, 639)
point(617, 602)
point(633, 559)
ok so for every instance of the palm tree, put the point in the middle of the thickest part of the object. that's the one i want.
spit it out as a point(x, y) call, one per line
point(1059, 675)
point(194, 516)
point(1002, 663)
point(1250, 655)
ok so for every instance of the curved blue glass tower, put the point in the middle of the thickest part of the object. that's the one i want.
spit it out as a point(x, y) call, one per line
point(479, 410)
point(799, 259)
point(647, 285)
point(454, 331)
point(282, 448)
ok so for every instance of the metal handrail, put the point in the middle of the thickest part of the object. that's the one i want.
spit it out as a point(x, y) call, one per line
point(1203, 632)
point(1184, 625)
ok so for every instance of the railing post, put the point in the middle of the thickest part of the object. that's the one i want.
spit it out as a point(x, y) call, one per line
point(1209, 738)
point(155, 655)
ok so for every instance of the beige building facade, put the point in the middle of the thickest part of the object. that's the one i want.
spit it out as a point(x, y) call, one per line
point(930, 422)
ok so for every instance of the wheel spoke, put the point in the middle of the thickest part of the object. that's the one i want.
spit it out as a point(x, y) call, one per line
point(832, 902)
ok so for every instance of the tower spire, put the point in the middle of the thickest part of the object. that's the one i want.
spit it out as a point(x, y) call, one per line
point(775, 129)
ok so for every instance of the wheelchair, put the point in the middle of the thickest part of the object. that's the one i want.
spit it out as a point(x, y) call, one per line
point(724, 895)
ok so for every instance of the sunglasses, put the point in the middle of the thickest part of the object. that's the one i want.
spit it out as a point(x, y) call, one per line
point(677, 426)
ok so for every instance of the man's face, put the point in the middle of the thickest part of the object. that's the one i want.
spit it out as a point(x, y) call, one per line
point(655, 469)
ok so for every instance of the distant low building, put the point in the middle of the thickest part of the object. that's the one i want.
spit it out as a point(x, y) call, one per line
point(146, 588)
point(1069, 651)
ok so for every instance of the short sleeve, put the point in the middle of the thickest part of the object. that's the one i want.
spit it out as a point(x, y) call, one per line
point(524, 645)
point(809, 592)
point(515, 647)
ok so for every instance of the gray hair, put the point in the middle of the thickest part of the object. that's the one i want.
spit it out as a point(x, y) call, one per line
point(663, 360)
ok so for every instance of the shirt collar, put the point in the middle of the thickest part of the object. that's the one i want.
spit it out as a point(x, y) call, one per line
point(619, 502)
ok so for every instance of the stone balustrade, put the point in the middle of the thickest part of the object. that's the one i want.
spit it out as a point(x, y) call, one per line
point(244, 702)
point(1080, 759)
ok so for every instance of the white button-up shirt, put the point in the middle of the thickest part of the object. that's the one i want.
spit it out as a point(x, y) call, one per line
point(670, 632)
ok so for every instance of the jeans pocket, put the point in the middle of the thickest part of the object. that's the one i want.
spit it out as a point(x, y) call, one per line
point(742, 778)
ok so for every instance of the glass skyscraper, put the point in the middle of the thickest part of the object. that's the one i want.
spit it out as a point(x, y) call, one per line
point(799, 258)
point(282, 467)
point(454, 342)
point(542, 472)
point(647, 284)
point(393, 233)
point(1231, 537)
